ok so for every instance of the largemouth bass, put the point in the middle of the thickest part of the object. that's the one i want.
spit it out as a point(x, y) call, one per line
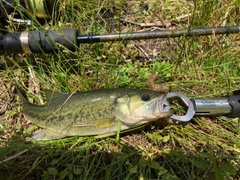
point(95, 112)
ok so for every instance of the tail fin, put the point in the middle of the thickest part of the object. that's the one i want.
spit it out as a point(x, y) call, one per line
point(22, 96)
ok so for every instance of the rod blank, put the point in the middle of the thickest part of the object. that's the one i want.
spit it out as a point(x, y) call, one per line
point(159, 34)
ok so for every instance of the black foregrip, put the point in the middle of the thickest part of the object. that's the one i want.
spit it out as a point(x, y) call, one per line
point(40, 41)
point(45, 41)
point(234, 102)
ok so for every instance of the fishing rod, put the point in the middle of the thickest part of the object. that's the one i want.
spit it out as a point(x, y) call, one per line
point(45, 41)
point(22, 13)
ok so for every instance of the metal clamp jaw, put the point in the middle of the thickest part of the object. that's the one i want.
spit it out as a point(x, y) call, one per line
point(190, 111)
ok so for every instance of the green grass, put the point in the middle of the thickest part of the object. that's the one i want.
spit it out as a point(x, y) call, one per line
point(200, 67)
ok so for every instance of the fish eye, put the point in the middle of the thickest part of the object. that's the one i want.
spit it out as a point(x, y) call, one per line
point(145, 97)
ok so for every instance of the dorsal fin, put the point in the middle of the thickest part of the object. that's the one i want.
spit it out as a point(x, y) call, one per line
point(52, 96)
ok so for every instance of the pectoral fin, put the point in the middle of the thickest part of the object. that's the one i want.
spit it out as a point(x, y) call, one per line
point(44, 135)
point(104, 123)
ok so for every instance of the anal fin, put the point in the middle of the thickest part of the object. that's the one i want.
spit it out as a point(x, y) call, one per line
point(44, 135)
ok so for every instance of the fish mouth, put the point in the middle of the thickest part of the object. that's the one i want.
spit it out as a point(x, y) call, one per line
point(160, 108)
point(164, 106)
